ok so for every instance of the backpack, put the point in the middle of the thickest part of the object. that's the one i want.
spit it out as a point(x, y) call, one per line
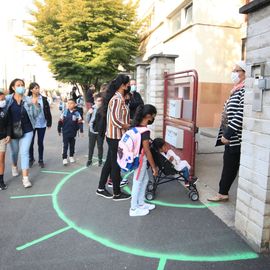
point(128, 154)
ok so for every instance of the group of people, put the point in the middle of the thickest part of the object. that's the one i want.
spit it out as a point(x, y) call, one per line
point(21, 117)
point(110, 113)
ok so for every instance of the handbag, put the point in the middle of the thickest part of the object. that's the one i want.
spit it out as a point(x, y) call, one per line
point(17, 131)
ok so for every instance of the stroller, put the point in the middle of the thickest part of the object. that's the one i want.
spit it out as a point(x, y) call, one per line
point(168, 173)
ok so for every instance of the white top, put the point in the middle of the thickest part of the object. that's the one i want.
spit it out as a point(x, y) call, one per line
point(177, 162)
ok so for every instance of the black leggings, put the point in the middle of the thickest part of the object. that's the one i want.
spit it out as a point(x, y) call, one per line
point(231, 162)
point(111, 167)
point(41, 135)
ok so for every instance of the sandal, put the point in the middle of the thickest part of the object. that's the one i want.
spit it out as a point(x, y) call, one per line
point(218, 198)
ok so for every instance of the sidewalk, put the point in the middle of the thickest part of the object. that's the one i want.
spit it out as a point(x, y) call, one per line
point(208, 169)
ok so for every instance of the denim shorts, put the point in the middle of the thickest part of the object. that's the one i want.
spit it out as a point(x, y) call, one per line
point(3, 146)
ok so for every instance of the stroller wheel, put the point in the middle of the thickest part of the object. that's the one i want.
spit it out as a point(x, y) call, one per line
point(149, 196)
point(150, 187)
point(194, 196)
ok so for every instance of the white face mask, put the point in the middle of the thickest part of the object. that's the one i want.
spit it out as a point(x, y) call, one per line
point(3, 103)
point(235, 77)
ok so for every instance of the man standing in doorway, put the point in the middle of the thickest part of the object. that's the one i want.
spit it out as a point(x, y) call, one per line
point(135, 99)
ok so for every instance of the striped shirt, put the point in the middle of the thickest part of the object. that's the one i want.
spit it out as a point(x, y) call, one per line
point(117, 116)
point(233, 109)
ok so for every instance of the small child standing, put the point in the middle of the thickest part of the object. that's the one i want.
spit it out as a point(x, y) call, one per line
point(145, 115)
point(97, 126)
point(179, 165)
point(5, 133)
point(70, 122)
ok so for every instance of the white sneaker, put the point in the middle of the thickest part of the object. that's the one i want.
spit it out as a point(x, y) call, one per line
point(26, 182)
point(138, 212)
point(14, 171)
point(72, 159)
point(65, 162)
point(147, 206)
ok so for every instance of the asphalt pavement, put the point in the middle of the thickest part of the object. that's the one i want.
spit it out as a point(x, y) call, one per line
point(60, 223)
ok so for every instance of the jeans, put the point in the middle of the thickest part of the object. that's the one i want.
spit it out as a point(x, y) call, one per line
point(93, 138)
point(21, 145)
point(68, 142)
point(111, 167)
point(139, 185)
point(231, 163)
point(41, 135)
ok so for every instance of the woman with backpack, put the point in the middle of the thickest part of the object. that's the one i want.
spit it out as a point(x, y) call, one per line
point(117, 123)
point(144, 116)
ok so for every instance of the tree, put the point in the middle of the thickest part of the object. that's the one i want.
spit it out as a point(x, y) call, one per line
point(85, 40)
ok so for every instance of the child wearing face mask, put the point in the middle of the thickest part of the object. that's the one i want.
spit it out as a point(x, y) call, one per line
point(95, 118)
point(5, 132)
point(144, 115)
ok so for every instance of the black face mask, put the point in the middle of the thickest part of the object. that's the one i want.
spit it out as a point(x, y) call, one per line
point(126, 91)
point(150, 122)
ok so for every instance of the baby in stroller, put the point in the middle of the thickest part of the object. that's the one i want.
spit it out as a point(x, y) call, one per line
point(179, 165)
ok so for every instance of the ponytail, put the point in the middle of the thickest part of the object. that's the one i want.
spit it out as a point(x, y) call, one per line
point(141, 112)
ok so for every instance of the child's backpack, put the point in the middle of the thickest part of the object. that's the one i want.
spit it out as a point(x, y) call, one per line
point(128, 154)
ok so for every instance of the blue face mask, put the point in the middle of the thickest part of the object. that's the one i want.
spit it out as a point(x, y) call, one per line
point(133, 88)
point(20, 90)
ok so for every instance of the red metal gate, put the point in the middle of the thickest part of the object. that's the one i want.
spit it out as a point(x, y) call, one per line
point(180, 109)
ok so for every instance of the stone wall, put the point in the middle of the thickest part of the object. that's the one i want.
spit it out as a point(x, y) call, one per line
point(154, 86)
point(252, 218)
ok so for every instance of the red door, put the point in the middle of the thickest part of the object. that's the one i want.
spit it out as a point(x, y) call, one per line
point(180, 110)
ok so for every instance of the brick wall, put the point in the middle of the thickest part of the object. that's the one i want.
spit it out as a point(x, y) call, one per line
point(252, 218)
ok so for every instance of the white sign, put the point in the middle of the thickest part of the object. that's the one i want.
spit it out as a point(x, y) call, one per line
point(175, 108)
point(175, 137)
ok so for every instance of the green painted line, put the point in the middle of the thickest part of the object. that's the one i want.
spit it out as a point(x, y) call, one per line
point(162, 263)
point(177, 205)
point(128, 174)
point(30, 196)
point(135, 251)
point(55, 172)
point(43, 238)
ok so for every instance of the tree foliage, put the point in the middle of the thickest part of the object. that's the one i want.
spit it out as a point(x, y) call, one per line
point(85, 40)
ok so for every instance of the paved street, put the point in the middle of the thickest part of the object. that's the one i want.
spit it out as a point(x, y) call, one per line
point(60, 223)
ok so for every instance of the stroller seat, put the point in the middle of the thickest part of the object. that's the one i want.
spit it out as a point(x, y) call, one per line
point(167, 173)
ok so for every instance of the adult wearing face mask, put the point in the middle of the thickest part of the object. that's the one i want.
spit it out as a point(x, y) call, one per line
point(230, 133)
point(23, 112)
point(135, 99)
point(117, 123)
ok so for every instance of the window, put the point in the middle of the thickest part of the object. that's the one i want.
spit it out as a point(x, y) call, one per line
point(175, 22)
point(188, 14)
point(181, 18)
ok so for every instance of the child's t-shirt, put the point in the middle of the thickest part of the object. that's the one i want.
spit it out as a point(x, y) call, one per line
point(177, 162)
point(145, 136)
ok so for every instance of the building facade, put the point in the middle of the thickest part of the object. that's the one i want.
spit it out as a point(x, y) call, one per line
point(208, 36)
point(16, 59)
point(252, 217)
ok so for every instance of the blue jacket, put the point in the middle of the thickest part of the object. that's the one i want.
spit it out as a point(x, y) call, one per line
point(31, 109)
point(70, 123)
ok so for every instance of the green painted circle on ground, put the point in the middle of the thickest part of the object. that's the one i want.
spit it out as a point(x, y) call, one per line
point(135, 251)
